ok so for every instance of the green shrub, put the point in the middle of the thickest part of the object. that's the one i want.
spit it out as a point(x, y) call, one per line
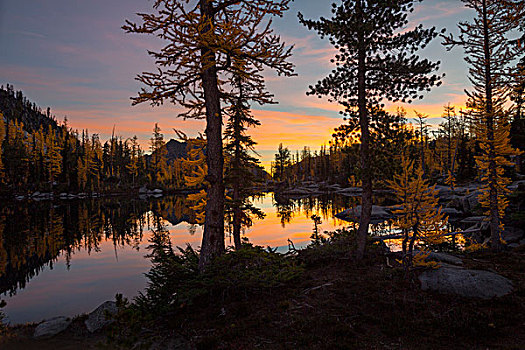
point(333, 245)
point(175, 282)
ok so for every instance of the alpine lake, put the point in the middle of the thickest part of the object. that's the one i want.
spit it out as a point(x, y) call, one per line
point(66, 257)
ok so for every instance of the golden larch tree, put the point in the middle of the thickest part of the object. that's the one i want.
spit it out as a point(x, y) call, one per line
point(491, 55)
point(419, 217)
point(205, 40)
point(53, 155)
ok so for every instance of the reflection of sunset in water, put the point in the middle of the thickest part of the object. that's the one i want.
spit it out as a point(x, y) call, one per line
point(270, 231)
point(84, 253)
point(68, 258)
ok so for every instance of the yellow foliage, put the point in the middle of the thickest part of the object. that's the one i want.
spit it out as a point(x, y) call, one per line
point(451, 180)
point(195, 165)
point(199, 205)
point(491, 129)
point(420, 217)
point(475, 247)
point(54, 156)
point(419, 203)
point(501, 151)
point(420, 261)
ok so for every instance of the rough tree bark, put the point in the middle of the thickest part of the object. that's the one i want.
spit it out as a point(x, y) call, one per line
point(366, 176)
point(213, 236)
point(489, 111)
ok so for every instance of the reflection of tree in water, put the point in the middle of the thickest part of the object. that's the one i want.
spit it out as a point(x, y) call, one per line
point(34, 235)
point(247, 213)
point(285, 209)
point(160, 243)
point(325, 206)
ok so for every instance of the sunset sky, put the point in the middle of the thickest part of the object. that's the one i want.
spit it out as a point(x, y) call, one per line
point(72, 55)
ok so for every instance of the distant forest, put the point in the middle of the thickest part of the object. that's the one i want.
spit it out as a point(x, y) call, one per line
point(447, 153)
point(39, 153)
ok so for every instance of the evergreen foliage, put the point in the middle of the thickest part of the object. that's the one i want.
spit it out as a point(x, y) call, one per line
point(376, 61)
point(15, 106)
point(239, 174)
point(282, 161)
point(175, 281)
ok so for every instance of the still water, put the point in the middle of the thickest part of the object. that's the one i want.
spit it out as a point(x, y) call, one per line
point(66, 258)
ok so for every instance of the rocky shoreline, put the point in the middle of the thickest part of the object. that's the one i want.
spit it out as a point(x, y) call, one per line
point(142, 193)
point(87, 331)
point(95, 321)
point(460, 204)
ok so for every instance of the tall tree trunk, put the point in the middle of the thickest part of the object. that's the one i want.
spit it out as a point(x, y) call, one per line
point(489, 115)
point(366, 175)
point(449, 148)
point(422, 146)
point(213, 236)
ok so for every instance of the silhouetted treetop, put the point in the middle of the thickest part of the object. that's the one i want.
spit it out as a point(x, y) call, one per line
point(233, 37)
point(376, 29)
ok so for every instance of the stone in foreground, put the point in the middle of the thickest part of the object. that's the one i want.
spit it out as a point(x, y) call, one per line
point(465, 283)
point(52, 327)
point(97, 319)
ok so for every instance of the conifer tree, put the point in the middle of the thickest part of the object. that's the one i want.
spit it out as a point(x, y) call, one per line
point(448, 143)
point(133, 165)
point(376, 61)
point(95, 162)
point(205, 38)
point(53, 156)
point(420, 217)
point(518, 94)
point(488, 51)
point(37, 151)
point(159, 154)
point(281, 162)
point(239, 174)
point(448, 129)
point(83, 161)
point(16, 155)
point(69, 146)
point(423, 137)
